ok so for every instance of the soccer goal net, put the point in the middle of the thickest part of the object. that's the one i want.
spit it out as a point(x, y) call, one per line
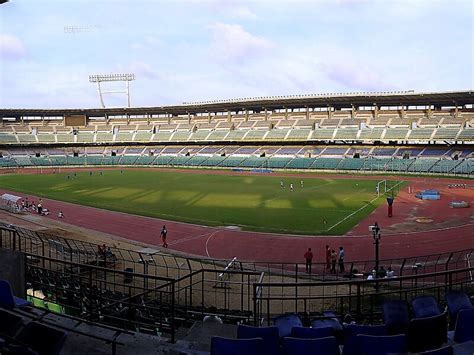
point(387, 187)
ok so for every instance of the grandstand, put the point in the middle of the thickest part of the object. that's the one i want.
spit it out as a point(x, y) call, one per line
point(326, 125)
point(150, 292)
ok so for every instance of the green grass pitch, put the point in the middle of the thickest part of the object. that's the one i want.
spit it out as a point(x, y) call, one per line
point(326, 206)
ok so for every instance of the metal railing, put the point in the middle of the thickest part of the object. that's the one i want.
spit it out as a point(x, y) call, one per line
point(360, 298)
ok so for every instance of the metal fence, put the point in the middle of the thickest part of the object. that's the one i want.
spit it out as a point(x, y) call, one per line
point(154, 292)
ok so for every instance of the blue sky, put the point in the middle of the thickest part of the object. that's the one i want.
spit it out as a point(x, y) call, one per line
point(190, 50)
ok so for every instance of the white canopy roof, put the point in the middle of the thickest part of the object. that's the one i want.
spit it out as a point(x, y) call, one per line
point(10, 197)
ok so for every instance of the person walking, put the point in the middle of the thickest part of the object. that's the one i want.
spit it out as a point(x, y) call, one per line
point(163, 234)
point(309, 260)
point(341, 260)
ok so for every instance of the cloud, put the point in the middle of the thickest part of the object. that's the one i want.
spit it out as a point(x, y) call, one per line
point(244, 12)
point(11, 48)
point(232, 43)
point(148, 42)
point(354, 75)
point(142, 69)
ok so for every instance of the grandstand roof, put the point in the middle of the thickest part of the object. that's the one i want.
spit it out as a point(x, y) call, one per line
point(409, 98)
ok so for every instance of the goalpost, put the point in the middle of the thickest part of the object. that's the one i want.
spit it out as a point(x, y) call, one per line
point(381, 187)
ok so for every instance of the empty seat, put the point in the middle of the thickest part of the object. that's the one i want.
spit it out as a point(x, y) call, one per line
point(464, 329)
point(285, 323)
point(427, 333)
point(226, 346)
point(34, 335)
point(382, 345)
point(425, 306)
point(395, 316)
point(311, 333)
point(269, 335)
point(351, 331)
point(321, 346)
point(457, 301)
point(7, 300)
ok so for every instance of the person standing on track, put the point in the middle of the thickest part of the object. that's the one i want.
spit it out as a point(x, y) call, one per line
point(341, 259)
point(328, 257)
point(163, 234)
point(309, 260)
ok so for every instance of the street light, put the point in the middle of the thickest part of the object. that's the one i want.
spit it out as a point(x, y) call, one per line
point(375, 229)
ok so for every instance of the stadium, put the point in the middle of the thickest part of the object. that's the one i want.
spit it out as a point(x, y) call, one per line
point(325, 209)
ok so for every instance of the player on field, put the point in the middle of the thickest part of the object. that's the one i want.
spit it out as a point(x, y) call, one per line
point(282, 185)
point(291, 187)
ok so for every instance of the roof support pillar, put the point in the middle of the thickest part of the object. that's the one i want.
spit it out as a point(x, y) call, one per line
point(429, 112)
point(286, 113)
point(229, 116)
point(307, 112)
point(353, 111)
point(266, 115)
point(456, 111)
point(402, 112)
point(246, 115)
point(189, 118)
point(376, 111)
point(329, 111)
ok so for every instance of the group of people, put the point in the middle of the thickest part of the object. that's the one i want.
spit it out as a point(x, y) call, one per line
point(333, 258)
point(30, 206)
point(381, 274)
point(282, 185)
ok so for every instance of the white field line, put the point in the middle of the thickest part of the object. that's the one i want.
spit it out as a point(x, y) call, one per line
point(360, 209)
point(207, 242)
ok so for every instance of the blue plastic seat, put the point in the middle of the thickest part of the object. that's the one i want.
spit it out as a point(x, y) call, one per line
point(311, 333)
point(269, 335)
point(226, 346)
point(286, 322)
point(321, 346)
point(382, 345)
point(427, 333)
point(395, 316)
point(42, 338)
point(351, 341)
point(457, 301)
point(7, 300)
point(447, 350)
point(464, 329)
point(425, 306)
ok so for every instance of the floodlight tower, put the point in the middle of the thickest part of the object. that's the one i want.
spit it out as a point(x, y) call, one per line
point(112, 77)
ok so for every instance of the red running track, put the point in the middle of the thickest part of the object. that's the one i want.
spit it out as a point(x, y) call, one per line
point(449, 230)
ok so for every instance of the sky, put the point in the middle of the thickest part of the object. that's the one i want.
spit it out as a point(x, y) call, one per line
point(200, 50)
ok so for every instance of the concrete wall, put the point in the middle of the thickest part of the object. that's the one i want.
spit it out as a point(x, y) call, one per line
point(12, 268)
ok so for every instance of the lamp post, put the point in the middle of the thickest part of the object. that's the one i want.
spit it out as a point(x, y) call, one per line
point(376, 235)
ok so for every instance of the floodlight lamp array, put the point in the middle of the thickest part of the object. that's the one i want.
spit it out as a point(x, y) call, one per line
point(111, 77)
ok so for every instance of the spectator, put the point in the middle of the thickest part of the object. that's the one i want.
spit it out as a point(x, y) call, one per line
point(309, 260)
point(390, 273)
point(212, 318)
point(328, 257)
point(382, 273)
point(333, 261)
point(341, 260)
